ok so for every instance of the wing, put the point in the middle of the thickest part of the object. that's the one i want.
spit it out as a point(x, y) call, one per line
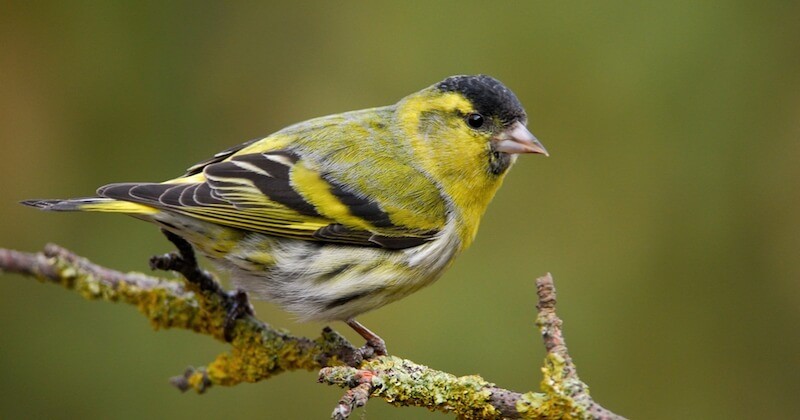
point(276, 193)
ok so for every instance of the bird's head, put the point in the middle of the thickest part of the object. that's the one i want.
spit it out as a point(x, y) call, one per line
point(468, 120)
point(466, 132)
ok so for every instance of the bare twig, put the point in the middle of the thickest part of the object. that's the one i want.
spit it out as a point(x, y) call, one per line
point(259, 351)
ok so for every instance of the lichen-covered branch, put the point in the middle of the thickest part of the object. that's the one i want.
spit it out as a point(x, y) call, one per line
point(402, 382)
point(258, 351)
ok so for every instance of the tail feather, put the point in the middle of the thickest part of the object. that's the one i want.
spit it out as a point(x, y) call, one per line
point(39, 204)
point(73, 204)
point(100, 204)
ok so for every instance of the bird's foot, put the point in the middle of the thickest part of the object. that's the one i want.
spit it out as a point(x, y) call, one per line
point(374, 347)
point(238, 306)
point(184, 262)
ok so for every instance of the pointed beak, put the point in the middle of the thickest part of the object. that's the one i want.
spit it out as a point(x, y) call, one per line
point(517, 139)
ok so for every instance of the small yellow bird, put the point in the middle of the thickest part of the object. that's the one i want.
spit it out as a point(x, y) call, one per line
point(339, 215)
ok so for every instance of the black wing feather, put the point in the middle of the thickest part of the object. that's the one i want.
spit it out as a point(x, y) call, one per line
point(219, 157)
point(269, 173)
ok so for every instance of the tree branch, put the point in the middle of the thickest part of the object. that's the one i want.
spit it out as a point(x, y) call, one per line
point(258, 351)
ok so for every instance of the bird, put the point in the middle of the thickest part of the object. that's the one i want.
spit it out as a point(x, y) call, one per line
point(340, 215)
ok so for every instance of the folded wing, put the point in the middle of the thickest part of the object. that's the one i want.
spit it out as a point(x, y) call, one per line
point(276, 193)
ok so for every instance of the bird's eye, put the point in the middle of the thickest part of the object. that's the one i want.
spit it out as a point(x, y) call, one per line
point(475, 120)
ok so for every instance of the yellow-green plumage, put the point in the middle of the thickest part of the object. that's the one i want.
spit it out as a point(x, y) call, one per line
point(339, 215)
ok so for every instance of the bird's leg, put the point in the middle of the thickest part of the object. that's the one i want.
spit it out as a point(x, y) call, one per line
point(185, 262)
point(375, 345)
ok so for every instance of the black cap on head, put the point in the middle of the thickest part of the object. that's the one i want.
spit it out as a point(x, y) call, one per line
point(487, 94)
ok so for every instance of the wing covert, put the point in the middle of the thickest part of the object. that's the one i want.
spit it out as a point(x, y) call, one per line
point(275, 193)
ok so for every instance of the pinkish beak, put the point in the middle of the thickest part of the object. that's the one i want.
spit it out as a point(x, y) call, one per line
point(517, 139)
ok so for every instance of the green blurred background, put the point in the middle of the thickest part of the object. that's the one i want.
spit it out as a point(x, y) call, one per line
point(668, 211)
